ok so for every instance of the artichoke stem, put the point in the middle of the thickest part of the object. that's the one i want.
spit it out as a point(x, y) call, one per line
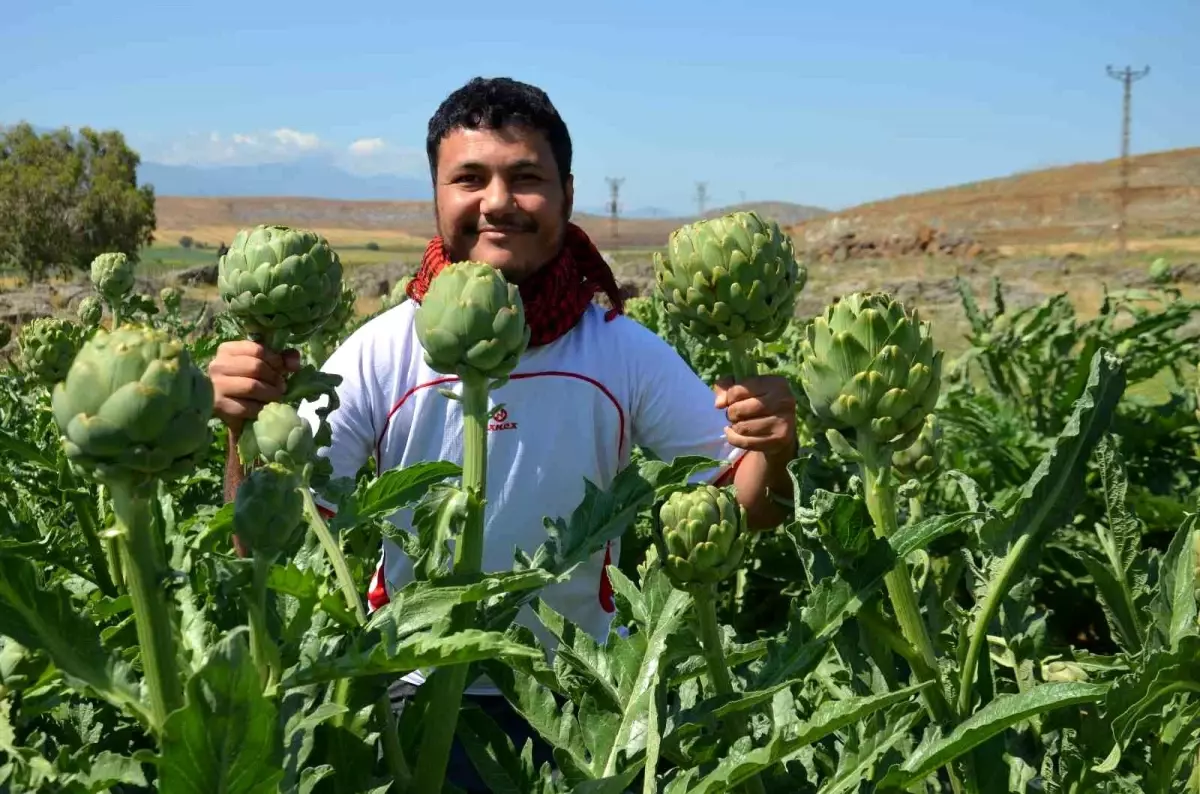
point(741, 361)
point(336, 559)
point(448, 683)
point(718, 669)
point(262, 646)
point(393, 753)
point(881, 503)
point(102, 559)
point(145, 570)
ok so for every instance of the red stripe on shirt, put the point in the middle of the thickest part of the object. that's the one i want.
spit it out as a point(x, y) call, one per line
point(377, 596)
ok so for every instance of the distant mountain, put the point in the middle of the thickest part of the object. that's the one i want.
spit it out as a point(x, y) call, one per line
point(785, 213)
point(314, 178)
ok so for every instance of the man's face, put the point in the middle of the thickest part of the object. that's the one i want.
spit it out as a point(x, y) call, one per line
point(499, 199)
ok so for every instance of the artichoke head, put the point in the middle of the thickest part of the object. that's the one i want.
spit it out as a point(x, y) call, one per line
point(48, 345)
point(732, 277)
point(472, 322)
point(870, 365)
point(1063, 671)
point(281, 284)
point(134, 407)
point(112, 276)
point(171, 298)
point(278, 435)
point(90, 311)
point(268, 511)
point(922, 458)
point(398, 294)
point(701, 540)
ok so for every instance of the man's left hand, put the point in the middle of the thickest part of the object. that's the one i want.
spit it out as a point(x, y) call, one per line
point(762, 414)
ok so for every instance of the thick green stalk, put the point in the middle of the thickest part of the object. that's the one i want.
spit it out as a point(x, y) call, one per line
point(448, 684)
point(718, 668)
point(263, 649)
point(996, 591)
point(393, 753)
point(336, 559)
point(743, 364)
point(881, 503)
point(145, 570)
point(101, 559)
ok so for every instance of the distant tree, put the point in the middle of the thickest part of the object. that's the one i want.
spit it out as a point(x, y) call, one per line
point(64, 199)
point(372, 246)
point(222, 249)
point(186, 241)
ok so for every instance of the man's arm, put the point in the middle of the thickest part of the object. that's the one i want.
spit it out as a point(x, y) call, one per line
point(761, 412)
point(756, 479)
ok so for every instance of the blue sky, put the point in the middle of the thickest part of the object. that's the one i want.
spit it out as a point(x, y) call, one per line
point(829, 104)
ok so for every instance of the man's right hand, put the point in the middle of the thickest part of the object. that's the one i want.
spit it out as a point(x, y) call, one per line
point(246, 376)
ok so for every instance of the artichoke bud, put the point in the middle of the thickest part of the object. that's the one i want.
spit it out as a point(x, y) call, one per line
point(90, 311)
point(701, 541)
point(869, 365)
point(281, 284)
point(1063, 671)
point(48, 345)
point(730, 277)
point(921, 458)
point(112, 276)
point(472, 323)
point(268, 512)
point(278, 435)
point(133, 407)
point(171, 298)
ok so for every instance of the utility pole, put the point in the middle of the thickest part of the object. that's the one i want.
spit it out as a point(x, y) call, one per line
point(1127, 76)
point(701, 196)
point(614, 190)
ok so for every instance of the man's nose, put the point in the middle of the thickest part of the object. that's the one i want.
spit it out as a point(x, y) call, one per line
point(497, 197)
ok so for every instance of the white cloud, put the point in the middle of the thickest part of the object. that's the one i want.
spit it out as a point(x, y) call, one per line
point(367, 146)
point(364, 156)
point(304, 141)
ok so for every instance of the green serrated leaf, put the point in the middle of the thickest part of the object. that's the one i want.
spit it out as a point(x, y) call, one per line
point(225, 738)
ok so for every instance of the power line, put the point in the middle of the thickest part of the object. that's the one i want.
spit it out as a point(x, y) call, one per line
point(614, 191)
point(1127, 76)
point(701, 196)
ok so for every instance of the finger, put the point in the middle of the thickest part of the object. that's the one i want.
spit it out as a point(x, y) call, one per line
point(247, 367)
point(759, 428)
point(239, 388)
point(750, 408)
point(768, 443)
point(231, 410)
point(245, 347)
point(291, 359)
point(720, 389)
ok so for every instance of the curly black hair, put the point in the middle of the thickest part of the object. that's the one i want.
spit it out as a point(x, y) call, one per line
point(491, 103)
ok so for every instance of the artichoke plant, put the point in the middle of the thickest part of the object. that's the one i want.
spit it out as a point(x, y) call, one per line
point(112, 276)
point(90, 311)
point(268, 511)
point(281, 284)
point(278, 435)
point(5, 334)
point(870, 366)
point(171, 299)
point(701, 534)
point(472, 323)
point(730, 282)
point(398, 293)
point(48, 346)
point(134, 409)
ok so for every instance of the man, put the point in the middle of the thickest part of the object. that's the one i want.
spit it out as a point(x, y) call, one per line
point(592, 384)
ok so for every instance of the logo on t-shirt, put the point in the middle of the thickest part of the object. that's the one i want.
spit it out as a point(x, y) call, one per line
point(500, 421)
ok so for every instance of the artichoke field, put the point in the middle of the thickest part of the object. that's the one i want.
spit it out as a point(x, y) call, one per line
point(986, 581)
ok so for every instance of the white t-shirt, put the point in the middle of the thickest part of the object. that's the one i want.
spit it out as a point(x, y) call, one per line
point(572, 410)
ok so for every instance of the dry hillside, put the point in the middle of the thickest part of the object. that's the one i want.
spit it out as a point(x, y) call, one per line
point(1071, 204)
point(348, 222)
